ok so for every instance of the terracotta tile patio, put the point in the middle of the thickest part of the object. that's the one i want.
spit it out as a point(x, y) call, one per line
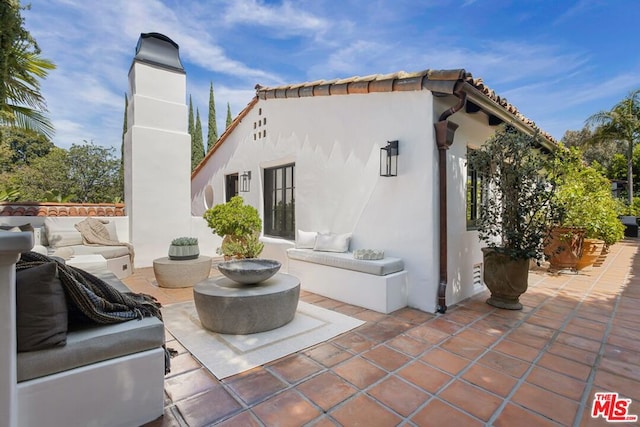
point(475, 365)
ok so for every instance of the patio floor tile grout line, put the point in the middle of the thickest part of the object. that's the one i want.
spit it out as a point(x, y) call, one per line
point(570, 316)
point(593, 288)
point(534, 363)
point(474, 361)
point(603, 344)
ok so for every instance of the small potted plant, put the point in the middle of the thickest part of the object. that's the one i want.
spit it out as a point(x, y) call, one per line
point(239, 225)
point(184, 248)
point(519, 178)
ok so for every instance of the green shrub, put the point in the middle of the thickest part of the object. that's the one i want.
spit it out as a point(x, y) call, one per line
point(233, 218)
point(240, 226)
point(583, 198)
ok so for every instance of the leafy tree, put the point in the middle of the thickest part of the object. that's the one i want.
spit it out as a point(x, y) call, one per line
point(6, 164)
point(21, 68)
point(197, 147)
point(229, 118)
point(25, 145)
point(94, 172)
point(592, 149)
point(212, 134)
point(621, 123)
point(42, 174)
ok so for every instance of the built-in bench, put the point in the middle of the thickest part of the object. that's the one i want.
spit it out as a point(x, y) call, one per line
point(379, 285)
point(105, 375)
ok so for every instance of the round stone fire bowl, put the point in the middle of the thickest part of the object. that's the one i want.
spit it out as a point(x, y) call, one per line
point(249, 271)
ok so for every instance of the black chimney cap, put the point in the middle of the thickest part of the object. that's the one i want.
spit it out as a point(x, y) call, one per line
point(160, 50)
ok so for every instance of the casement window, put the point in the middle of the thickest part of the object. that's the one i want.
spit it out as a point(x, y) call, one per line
point(475, 197)
point(279, 202)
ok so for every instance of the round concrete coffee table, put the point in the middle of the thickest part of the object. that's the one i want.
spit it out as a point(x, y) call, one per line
point(229, 307)
point(181, 274)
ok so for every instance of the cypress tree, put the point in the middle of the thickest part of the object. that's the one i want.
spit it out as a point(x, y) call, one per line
point(229, 119)
point(212, 135)
point(197, 147)
point(124, 131)
point(190, 130)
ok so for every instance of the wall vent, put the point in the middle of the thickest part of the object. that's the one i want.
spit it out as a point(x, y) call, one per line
point(477, 275)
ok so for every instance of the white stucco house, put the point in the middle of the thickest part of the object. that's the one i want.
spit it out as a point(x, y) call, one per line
point(316, 147)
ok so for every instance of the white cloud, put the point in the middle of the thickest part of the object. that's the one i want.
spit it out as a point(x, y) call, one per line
point(285, 18)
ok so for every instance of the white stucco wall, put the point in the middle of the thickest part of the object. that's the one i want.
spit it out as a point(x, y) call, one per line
point(335, 144)
point(157, 159)
point(463, 244)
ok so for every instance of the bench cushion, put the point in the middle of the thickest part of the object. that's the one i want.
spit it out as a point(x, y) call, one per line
point(382, 267)
point(108, 252)
point(92, 343)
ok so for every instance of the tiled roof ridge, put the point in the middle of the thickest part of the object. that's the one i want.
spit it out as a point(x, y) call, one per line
point(61, 209)
point(434, 80)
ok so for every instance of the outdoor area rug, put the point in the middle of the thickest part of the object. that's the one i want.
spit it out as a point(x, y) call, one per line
point(226, 355)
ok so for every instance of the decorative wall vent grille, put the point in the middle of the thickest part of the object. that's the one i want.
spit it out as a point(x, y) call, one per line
point(477, 275)
point(260, 127)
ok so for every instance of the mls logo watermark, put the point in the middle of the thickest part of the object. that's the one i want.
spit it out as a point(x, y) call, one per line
point(612, 408)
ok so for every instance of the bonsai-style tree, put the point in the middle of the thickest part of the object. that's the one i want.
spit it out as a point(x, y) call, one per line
point(239, 225)
point(519, 181)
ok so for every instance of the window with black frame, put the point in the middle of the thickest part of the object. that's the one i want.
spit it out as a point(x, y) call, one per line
point(279, 202)
point(231, 186)
point(475, 197)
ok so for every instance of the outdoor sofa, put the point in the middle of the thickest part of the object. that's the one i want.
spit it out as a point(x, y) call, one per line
point(59, 370)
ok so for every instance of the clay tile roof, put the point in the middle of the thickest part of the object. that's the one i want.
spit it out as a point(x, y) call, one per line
point(60, 209)
point(439, 81)
point(442, 81)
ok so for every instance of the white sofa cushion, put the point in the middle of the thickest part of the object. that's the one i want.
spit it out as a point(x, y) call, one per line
point(332, 242)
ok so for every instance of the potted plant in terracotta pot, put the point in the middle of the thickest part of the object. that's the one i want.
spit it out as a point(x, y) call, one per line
point(518, 176)
point(585, 203)
point(239, 225)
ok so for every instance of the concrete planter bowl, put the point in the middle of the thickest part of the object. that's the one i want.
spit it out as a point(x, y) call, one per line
point(249, 271)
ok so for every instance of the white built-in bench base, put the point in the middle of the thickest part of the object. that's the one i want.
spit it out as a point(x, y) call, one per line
point(379, 285)
point(125, 391)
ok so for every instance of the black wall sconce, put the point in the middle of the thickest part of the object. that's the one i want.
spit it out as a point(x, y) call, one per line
point(389, 159)
point(245, 180)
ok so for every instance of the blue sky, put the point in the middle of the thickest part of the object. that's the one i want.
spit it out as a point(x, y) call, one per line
point(557, 61)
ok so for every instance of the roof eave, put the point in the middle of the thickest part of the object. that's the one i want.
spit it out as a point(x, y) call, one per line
point(489, 105)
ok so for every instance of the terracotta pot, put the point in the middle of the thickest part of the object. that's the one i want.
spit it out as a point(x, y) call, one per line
point(591, 250)
point(564, 248)
point(506, 278)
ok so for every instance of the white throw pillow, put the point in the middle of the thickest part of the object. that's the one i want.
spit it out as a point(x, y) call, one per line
point(306, 239)
point(332, 242)
point(60, 232)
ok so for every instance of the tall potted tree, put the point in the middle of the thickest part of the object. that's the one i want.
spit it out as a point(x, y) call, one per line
point(518, 177)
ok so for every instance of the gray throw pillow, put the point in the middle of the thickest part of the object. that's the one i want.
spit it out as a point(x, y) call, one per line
point(41, 308)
